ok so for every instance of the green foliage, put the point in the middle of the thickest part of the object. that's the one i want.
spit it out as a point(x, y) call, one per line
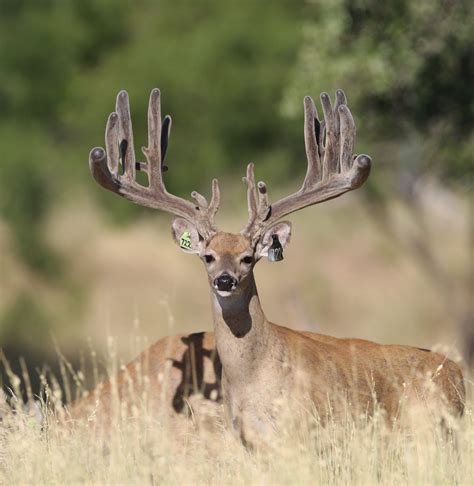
point(26, 193)
point(43, 45)
point(408, 69)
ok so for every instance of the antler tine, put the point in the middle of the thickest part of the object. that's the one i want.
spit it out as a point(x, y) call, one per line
point(340, 100)
point(251, 190)
point(112, 143)
point(348, 132)
point(249, 179)
point(153, 151)
point(200, 199)
point(126, 135)
point(100, 171)
point(330, 160)
point(258, 205)
point(119, 142)
point(311, 135)
point(263, 203)
point(209, 208)
point(215, 200)
point(332, 168)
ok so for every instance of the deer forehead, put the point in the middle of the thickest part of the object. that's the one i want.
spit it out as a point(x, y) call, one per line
point(228, 243)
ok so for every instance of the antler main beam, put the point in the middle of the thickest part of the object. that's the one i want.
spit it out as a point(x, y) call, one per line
point(119, 156)
point(332, 167)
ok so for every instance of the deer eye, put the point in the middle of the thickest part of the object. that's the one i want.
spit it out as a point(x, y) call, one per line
point(247, 260)
point(209, 258)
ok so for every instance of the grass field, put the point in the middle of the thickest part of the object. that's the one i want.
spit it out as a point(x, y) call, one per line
point(147, 450)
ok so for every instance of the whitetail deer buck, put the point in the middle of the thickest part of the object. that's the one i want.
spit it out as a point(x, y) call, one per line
point(258, 364)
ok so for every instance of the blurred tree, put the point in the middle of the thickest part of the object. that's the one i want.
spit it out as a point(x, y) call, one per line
point(25, 195)
point(408, 69)
point(43, 44)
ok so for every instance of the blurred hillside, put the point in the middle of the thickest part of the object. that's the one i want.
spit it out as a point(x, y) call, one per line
point(391, 263)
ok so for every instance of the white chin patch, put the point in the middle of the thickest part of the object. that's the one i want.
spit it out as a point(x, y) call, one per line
point(224, 293)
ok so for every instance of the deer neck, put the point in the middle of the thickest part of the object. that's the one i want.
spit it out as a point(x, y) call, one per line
point(242, 331)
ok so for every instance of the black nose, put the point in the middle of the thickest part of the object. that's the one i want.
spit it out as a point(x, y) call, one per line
point(225, 282)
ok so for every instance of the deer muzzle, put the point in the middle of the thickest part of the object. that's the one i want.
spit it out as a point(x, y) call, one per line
point(225, 283)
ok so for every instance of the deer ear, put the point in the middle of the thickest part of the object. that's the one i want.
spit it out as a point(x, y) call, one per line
point(186, 236)
point(281, 230)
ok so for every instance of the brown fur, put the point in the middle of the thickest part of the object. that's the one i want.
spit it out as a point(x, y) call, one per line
point(195, 369)
point(248, 362)
point(228, 243)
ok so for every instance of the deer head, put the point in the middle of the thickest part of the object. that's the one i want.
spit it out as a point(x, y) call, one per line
point(230, 258)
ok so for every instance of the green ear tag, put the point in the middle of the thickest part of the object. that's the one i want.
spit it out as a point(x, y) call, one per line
point(185, 240)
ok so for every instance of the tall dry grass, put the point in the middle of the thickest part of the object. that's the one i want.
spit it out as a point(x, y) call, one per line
point(147, 449)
